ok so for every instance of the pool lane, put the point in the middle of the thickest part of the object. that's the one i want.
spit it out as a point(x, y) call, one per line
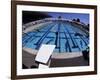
point(59, 33)
point(39, 42)
point(36, 43)
point(81, 41)
point(68, 32)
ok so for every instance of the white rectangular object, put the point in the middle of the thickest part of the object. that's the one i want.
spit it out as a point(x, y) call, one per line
point(43, 66)
point(44, 53)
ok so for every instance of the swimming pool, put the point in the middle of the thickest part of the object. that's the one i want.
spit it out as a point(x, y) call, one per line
point(66, 37)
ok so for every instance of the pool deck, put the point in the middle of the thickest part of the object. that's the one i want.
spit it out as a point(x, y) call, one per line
point(35, 27)
point(57, 60)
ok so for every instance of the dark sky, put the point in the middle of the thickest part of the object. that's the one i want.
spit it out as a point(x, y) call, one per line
point(29, 16)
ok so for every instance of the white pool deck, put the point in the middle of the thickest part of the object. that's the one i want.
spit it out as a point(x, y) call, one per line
point(55, 55)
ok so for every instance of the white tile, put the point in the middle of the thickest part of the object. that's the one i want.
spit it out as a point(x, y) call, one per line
point(44, 53)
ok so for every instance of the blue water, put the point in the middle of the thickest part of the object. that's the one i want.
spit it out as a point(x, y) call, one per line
point(58, 33)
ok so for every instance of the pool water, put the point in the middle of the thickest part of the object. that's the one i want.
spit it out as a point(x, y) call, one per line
point(65, 36)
